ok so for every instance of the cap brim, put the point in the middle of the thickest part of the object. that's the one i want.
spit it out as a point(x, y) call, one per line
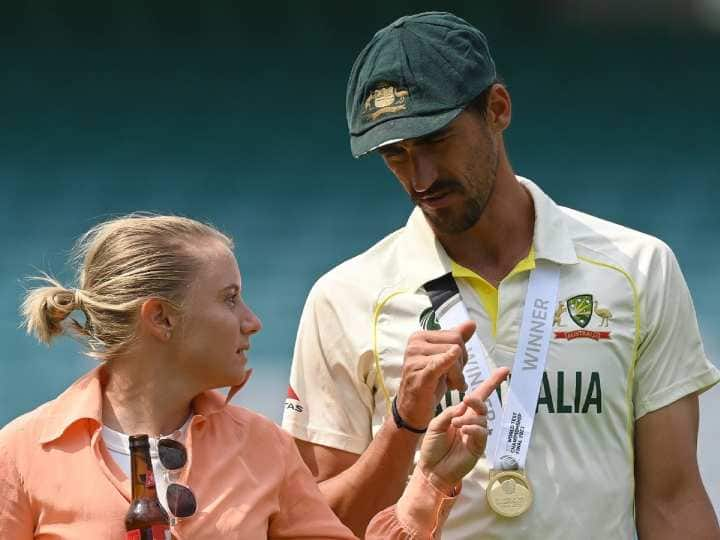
point(400, 129)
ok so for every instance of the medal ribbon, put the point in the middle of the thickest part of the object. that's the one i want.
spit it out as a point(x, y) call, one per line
point(508, 439)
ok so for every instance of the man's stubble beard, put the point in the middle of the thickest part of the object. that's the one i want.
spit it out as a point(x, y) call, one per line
point(478, 195)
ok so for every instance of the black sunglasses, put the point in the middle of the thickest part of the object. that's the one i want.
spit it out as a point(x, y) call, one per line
point(180, 499)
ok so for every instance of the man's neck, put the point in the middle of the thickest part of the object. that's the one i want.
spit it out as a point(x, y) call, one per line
point(502, 236)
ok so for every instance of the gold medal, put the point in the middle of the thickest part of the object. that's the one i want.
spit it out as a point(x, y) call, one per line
point(509, 493)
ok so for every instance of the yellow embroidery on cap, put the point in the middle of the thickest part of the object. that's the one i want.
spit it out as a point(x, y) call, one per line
point(385, 99)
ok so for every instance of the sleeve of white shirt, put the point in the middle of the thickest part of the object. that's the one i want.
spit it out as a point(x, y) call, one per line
point(671, 360)
point(329, 401)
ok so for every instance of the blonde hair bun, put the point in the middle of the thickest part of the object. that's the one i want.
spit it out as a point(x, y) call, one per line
point(46, 307)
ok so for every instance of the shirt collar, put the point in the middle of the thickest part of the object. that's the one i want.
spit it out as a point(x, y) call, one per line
point(212, 401)
point(83, 401)
point(551, 238)
point(428, 260)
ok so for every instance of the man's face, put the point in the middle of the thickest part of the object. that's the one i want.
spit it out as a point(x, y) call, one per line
point(450, 173)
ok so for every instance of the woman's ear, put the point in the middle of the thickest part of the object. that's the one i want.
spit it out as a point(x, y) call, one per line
point(158, 318)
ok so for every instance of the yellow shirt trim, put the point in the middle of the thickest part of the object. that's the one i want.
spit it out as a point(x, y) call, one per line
point(489, 295)
point(379, 375)
point(630, 425)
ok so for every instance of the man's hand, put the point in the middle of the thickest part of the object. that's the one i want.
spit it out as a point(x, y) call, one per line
point(456, 438)
point(359, 486)
point(434, 361)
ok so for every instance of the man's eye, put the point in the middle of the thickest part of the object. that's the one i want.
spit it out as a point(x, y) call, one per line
point(435, 139)
point(391, 153)
point(232, 299)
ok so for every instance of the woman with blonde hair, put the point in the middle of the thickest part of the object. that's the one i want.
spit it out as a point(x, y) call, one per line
point(162, 309)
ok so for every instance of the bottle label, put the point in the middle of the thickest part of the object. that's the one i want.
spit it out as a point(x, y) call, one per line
point(156, 532)
point(149, 479)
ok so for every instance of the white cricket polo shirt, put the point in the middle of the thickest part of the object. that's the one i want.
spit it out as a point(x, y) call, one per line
point(625, 342)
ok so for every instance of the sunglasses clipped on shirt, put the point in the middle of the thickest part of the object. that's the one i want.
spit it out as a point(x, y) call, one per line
point(180, 499)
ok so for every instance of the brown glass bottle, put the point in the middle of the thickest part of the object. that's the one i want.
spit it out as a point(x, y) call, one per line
point(146, 519)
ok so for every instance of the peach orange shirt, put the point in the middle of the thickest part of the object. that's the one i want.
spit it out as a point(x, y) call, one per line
point(57, 480)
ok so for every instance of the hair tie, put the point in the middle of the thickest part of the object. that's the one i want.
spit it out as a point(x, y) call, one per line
point(77, 298)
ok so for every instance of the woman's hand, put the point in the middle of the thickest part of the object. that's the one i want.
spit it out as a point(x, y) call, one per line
point(456, 438)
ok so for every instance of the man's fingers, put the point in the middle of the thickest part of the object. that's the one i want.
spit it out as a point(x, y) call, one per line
point(428, 342)
point(439, 364)
point(489, 385)
point(466, 329)
point(423, 348)
point(455, 377)
point(448, 364)
point(443, 336)
point(459, 334)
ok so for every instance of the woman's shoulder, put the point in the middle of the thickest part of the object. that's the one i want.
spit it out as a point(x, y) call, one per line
point(26, 430)
point(50, 420)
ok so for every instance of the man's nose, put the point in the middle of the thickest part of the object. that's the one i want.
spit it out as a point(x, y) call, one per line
point(424, 171)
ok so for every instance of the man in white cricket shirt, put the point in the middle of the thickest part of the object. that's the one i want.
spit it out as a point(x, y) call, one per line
point(595, 435)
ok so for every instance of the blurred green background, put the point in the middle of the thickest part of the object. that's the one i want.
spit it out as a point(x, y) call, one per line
point(234, 113)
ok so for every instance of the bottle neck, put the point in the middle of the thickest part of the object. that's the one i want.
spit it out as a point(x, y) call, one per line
point(143, 479)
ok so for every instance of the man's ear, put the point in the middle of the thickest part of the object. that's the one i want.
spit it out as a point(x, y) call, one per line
point(158, 318)
point(499, 108)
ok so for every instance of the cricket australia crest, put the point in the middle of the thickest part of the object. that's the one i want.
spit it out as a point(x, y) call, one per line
point(580, 309)
point(385, 99)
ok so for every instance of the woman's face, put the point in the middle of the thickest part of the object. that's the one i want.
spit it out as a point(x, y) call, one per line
point(215, 330)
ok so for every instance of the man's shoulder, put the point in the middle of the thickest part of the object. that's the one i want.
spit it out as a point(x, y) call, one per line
point(605, 241)
point(375, 269)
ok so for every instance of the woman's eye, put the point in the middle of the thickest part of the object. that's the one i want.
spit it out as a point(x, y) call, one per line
point(232, 300)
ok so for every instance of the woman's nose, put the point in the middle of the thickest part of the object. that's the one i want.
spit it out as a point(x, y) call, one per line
point(250, 323)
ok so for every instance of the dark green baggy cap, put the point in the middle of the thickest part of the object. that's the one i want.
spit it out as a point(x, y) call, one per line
point(414, 77)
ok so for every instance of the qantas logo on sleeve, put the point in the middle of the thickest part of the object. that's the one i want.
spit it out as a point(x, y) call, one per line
point(293, 397)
